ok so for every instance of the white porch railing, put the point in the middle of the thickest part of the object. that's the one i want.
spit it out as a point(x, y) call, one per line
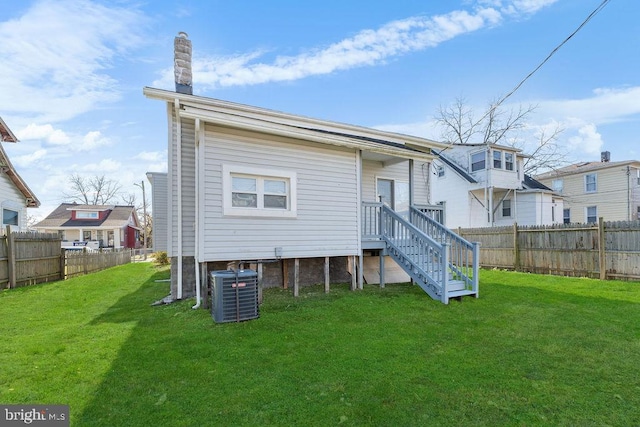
point(442, 263)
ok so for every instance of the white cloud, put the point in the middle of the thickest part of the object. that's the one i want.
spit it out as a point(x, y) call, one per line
point(61, 51)
point(93, 140)
point(152, 156)
point(44, 132)
point(588, 141)
point(367, 48)
point(28, 159)
point(103, 167)
point(607, 105)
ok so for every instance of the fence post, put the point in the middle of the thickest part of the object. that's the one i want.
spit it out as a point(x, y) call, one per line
point(601, 249)
point(63, 264)
point(11, 257)
point(516, 248)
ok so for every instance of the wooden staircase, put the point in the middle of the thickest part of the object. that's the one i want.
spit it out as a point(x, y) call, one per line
point(443, 264)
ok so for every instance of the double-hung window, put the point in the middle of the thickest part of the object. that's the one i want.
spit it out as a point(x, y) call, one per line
point(592, 214)
point(590, 183)
point(506, 208)
point(259, 192)
point(478, 161)
point(497, 159)
point(508, 161)
point(557, 185)
point(566, 216)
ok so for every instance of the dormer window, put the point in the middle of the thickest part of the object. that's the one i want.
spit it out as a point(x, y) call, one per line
point(87, 215)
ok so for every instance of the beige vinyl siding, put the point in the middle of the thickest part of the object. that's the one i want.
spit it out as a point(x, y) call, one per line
point(612, 197)
point(326, 221)
point(371, 170)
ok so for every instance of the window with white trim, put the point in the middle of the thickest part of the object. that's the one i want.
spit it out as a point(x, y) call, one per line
point(497, 159)
point(590, 183)
point(557, 185)
point(87, 215)
point(592, 214)
point(9, 217)
point(506, 208)
point(508, 161)
point(259, 192)
point(440, 171)
point(478, 161)
point(566, 216)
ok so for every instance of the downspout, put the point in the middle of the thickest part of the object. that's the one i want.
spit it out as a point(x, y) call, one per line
point(197, 230)
point(179, 184)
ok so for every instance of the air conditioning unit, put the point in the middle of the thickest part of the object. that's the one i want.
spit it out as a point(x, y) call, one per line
point(234, 295)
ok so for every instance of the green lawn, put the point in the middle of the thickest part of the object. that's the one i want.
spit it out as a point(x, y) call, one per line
point(532, 350)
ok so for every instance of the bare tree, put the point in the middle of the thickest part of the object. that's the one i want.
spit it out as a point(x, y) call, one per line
point(97, 190)
point(504, 127)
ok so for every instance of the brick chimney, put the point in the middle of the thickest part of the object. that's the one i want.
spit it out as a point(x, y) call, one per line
point(182, 63)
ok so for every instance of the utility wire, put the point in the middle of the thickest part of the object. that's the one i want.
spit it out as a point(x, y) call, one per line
point(591, 15)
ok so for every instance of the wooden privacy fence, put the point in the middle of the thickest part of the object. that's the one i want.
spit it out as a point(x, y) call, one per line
point(30, 258)
point(606, 250)
point(77, 263)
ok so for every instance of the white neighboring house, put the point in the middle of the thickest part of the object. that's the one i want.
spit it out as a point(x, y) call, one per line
point(159, 206)
point(15, 195)
point(484, 185)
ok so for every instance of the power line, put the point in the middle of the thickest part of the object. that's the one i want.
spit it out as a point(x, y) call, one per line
point(587, 19)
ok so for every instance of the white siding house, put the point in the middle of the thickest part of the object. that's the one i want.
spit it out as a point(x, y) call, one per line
point(15, 195)
point(250, 184)
point(484, 185)
point(159, 209)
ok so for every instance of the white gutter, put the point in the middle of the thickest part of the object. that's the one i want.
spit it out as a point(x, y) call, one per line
point(179, 184)
point(197, 230)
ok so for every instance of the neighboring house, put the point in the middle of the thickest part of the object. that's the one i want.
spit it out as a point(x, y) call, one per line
point(483, 185)
point(159, 208)
point(15, 195)
point(112, 226)
point(299, 199)
point(606, 189)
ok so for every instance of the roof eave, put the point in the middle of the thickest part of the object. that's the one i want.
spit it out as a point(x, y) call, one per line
point(212, 109)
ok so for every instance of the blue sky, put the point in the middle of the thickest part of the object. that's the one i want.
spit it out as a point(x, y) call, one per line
point(73, 72)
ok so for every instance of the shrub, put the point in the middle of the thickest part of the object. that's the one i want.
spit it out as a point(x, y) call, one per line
point(160, 258)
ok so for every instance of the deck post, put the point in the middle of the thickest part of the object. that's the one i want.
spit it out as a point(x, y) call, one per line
point(360, 272)
point(260, 272)
point(285, 274)
point(445, 273)
point(296, 277)
point(382, 269)
point(476, 267)
point(326, 274)
point(354, 271)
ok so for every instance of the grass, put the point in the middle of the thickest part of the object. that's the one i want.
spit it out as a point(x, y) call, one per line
point(532, 350)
